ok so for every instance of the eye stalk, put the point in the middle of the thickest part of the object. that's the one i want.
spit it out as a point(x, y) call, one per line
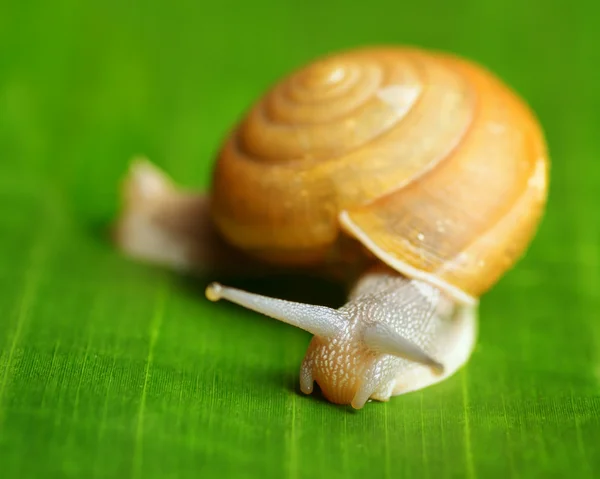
point(318, 320)
point(381, 338)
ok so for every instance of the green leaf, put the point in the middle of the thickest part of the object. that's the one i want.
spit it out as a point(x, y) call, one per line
point(110, 368)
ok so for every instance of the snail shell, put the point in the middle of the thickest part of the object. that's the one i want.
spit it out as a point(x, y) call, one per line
point(430, 162)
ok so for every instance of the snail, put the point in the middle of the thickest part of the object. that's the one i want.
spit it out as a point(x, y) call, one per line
point(418, 176)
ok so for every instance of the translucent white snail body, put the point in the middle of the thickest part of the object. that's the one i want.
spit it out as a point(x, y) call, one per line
point(417, 176)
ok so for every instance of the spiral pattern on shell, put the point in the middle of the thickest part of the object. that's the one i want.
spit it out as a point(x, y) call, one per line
point(392, 146)
point(314, 114)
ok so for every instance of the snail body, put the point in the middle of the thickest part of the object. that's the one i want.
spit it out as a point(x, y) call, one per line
point(426, 164)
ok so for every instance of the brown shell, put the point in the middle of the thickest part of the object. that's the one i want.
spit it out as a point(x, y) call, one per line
point(428, 160)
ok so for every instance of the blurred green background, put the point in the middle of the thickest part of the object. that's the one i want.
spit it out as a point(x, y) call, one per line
point(110, 368)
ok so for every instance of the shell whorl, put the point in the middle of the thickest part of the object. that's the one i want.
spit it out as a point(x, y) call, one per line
point(329, 108)
point(359, 135)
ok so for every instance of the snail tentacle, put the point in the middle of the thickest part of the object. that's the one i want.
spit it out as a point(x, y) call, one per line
point(381, 338)
point(318, 320)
